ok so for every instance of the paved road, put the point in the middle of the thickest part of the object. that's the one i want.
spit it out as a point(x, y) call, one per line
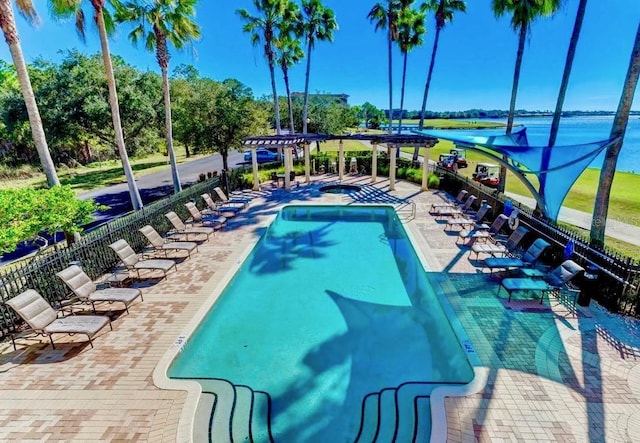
point(156, 185)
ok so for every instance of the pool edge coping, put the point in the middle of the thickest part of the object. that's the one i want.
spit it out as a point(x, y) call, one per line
point(480, 373)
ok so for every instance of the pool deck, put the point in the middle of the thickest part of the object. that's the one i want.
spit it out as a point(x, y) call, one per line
point(551, 374)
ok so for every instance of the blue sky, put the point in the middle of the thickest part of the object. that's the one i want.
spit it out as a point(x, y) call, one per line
point(474, 65)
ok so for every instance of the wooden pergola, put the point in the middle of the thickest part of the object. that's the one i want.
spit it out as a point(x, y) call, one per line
point(393, 142)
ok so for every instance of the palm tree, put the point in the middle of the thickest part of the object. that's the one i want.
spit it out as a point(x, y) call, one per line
point(555, 123)
point(290, 54)
point(410, 31)
point(289, 50)
point(104, 22)
point(523, 13)
point(385, 16)
point(8, 25)
point(618, 130)
point(444, 10)
point(263, 27)
point(319, 24)
point(158, 22)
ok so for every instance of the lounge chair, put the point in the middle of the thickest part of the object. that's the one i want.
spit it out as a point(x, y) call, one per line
point(229, 210)
point(482, 232)
point(134, 263)
point(43, 319)
point(233, 201)
point(455, 211)
point(497, 248)
point(529, 258)
point(215, 221)
point(86, 290)
point(458, 201)
point(160, 244)
point(180, 228)
point(469, 222)
point(553, 281)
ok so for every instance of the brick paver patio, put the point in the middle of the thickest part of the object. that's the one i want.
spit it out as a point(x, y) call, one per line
point(550, 375)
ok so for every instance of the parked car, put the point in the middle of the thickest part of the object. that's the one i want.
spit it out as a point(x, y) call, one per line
point(263, 156)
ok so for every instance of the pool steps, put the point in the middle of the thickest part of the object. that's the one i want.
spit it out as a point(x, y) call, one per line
point(236, 413)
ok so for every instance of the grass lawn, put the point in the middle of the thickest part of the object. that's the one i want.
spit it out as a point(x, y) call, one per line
point(97, 175)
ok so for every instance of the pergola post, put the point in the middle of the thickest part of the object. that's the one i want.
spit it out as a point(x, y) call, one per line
point(425, 169)
point(392, 166)
point(287, 168)
point(307, 163)
point(254, 167)
point(340, 160)
point(374, 161)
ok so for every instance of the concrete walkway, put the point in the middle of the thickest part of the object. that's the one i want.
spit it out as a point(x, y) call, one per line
point(615, 229)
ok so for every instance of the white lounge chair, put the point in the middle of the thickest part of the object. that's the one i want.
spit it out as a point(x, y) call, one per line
point(454, 203)
point(87, 291)
point(482, 231)
point(230, 201)
point(160, 244)
point(44, 320)
point(180, 228)
point(134, 263)
point(215, 221)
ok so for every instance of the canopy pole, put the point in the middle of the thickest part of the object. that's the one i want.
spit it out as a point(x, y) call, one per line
point(374, 161)
point(425, 169)
point(392, 167)
point(254, 167)
point(340, 160)
point(307, 163)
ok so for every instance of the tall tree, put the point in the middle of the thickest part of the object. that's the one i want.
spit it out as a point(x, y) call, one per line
point(523, 13)
point(601, 207)
point(8, 25)
point(410, 31)
point(262, 27)
point(385, 16)
point(555, 123)
point(104, 22)
point(444, 11)
point(289, 51)
point(160, 22)
point(319, 24)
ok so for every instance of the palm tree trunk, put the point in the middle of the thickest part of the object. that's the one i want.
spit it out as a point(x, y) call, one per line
point(428, 84)
point(306, 90)
point(136, 200)
point(177, 187)
point(285, 75)
point(10, 31)
point(512, 104)
point(555, 124)
point(404, 76)
point(601, 207)
point(276, 104)
point(389, 49)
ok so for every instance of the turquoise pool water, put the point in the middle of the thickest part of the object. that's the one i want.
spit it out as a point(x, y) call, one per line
point(332, 319)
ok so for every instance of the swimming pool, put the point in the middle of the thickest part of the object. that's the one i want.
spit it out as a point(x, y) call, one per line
point(329, 331)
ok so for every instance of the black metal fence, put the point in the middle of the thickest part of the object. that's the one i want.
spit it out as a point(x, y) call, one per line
point(619, 276)
point(91, 250)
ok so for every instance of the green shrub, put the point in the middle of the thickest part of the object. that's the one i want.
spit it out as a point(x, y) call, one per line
point(433, 181)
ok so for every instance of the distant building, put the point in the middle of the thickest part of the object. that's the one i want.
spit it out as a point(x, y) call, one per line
point(341, 99)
